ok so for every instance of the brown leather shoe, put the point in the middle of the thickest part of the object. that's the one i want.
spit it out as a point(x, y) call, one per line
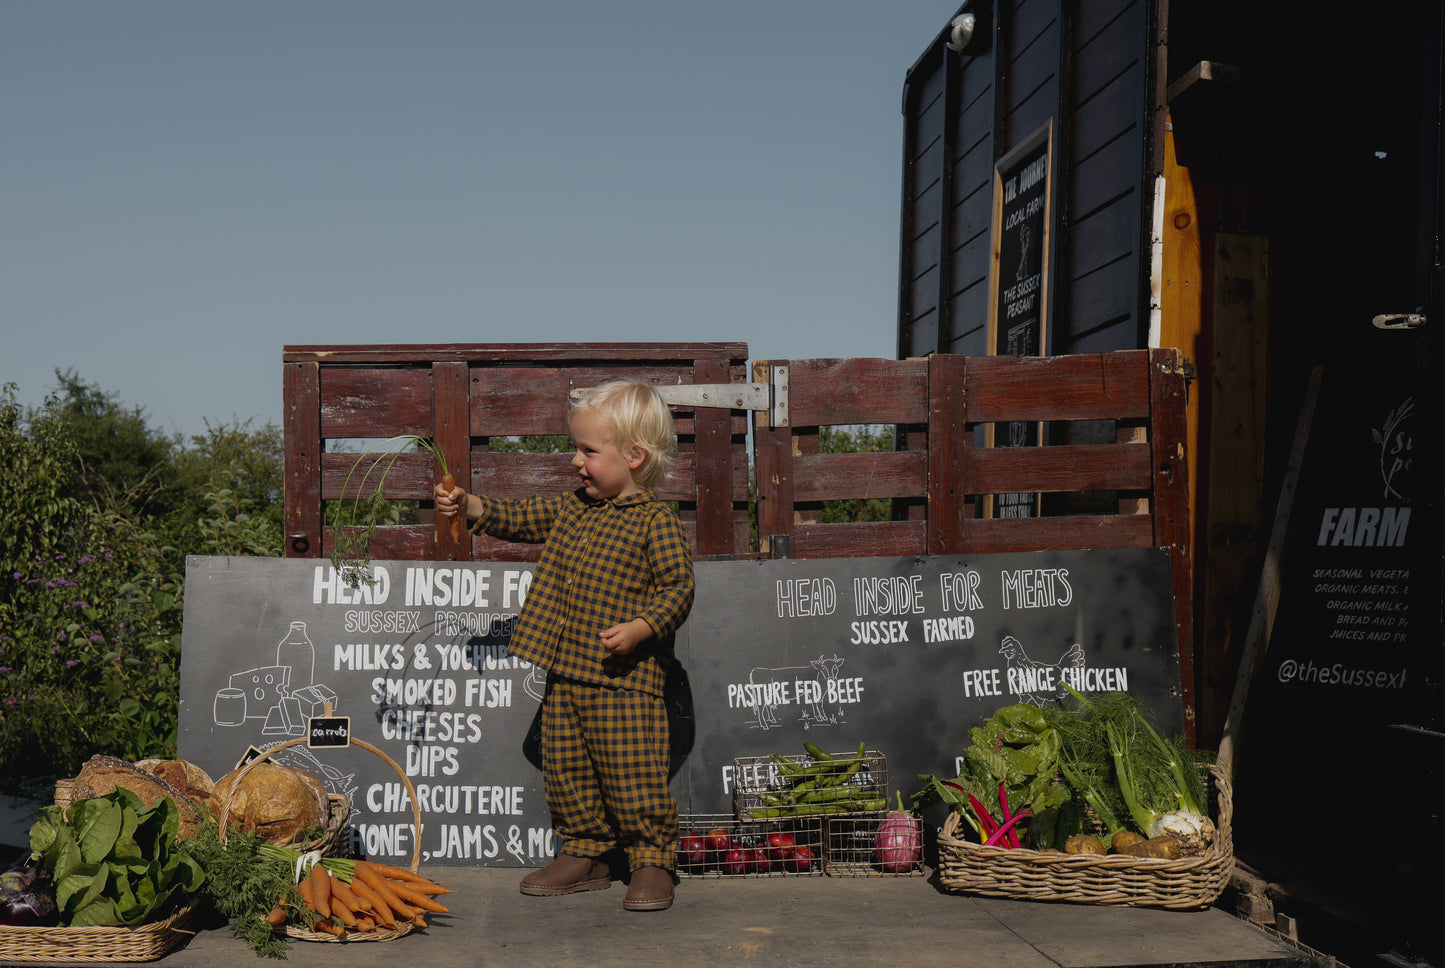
point(650, 890)
point(568, 875)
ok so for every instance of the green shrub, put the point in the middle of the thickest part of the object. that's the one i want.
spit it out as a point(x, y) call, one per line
point(91, 587)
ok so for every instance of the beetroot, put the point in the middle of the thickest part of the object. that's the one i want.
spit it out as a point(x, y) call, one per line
point(899, 843)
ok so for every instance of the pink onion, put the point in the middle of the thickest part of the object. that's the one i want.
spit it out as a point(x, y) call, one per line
point(899, 843)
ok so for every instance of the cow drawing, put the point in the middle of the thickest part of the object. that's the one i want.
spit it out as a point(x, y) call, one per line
point(819, 671)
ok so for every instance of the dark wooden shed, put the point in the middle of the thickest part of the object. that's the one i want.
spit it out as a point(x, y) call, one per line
point(1258, 186)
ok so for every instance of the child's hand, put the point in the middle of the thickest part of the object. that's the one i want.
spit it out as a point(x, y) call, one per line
point(622, 639)
point(449, 503)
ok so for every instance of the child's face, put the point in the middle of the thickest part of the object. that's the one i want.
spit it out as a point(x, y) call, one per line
point(605, 470)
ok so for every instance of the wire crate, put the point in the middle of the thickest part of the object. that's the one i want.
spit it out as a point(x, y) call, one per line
point(778, 786)
point(850, 846)
point(720, 845)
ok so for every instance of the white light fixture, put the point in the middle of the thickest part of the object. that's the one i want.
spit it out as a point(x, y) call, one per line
point(961, 32)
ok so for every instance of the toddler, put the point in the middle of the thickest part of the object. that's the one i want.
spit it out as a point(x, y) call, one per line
point(612, 585)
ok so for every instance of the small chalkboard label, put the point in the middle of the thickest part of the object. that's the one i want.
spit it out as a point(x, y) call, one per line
point(251, 753)
point(328, 731)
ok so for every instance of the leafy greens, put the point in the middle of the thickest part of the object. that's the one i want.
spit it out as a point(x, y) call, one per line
point(113, 860)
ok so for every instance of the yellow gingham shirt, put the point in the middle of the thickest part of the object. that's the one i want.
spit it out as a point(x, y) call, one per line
point(604, 563)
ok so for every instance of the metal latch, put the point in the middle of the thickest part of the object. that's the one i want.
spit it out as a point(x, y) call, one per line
point(770, 398)
point(1399, 321)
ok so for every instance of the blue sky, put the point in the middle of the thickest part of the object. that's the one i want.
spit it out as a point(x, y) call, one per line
point(188, 186)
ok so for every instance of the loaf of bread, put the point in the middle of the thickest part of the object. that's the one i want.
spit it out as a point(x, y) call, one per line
point(277, 802)
point(102, 774)
point(185, 776)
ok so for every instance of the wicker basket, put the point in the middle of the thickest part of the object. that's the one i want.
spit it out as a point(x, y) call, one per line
point(147, 942)
point(89, 945)
point(379, 933)
point(1182, 883)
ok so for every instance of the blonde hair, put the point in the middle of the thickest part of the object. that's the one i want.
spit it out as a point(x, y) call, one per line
point(633, 413)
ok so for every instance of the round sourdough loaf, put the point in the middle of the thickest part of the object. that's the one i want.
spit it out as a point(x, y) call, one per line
point(277, 802)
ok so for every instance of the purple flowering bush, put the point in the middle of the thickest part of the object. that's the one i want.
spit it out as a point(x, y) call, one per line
point(90, 616)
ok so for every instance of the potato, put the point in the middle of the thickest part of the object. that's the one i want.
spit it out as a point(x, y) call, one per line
point(1084, 844)
point(1166, 847)
point(1124, 838)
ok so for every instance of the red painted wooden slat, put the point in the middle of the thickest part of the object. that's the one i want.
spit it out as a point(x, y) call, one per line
point(859, 540)
point(375, 402)
point(1072, 532)
point(712, 476)
point(837, 477)
point(301, 434)
point(452, 439)
point(947, 403)
point(1103, 467)
point(1030, 388)
point(857, 391)
point(428, 353)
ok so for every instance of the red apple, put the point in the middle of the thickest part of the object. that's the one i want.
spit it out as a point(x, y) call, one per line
point(780, 844)
point(758, 861)
point(719, 840)
point(735, 861)
point(694, 850)
point(799, 860)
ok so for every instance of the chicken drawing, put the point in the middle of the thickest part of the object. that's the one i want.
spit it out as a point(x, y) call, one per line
point(1038, 682)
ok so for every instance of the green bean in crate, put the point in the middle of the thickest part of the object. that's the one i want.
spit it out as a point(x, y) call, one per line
point(813, 783)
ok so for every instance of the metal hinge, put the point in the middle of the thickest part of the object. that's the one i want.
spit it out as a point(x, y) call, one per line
point(770, 398)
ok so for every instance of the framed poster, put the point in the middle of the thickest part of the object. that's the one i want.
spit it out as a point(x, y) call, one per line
point(1023, 208)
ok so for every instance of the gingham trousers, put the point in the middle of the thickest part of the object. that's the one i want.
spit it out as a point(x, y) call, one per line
point(604, 769)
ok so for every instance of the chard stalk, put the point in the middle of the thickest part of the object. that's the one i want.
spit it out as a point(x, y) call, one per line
point(986, 825)
point(1007, 832)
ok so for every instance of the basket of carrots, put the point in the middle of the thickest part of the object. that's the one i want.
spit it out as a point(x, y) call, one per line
point(307, 896)
point(356, 900)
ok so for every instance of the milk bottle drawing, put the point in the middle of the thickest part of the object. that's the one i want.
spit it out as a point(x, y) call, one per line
point(297, 653)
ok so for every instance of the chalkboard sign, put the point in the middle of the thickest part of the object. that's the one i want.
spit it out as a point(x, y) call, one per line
point(1019, 280)
point(324, 732)
point(1023, 180)
point(903, 654)
point(417, 661)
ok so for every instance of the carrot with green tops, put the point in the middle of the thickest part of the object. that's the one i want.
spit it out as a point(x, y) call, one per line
point(340, 910)
point(327, 926)
point(342, 892)
point(381, 912)
point(320, 879)
point(416, 898)
point(402, 874)
point(450, 482)
point(379, 885)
